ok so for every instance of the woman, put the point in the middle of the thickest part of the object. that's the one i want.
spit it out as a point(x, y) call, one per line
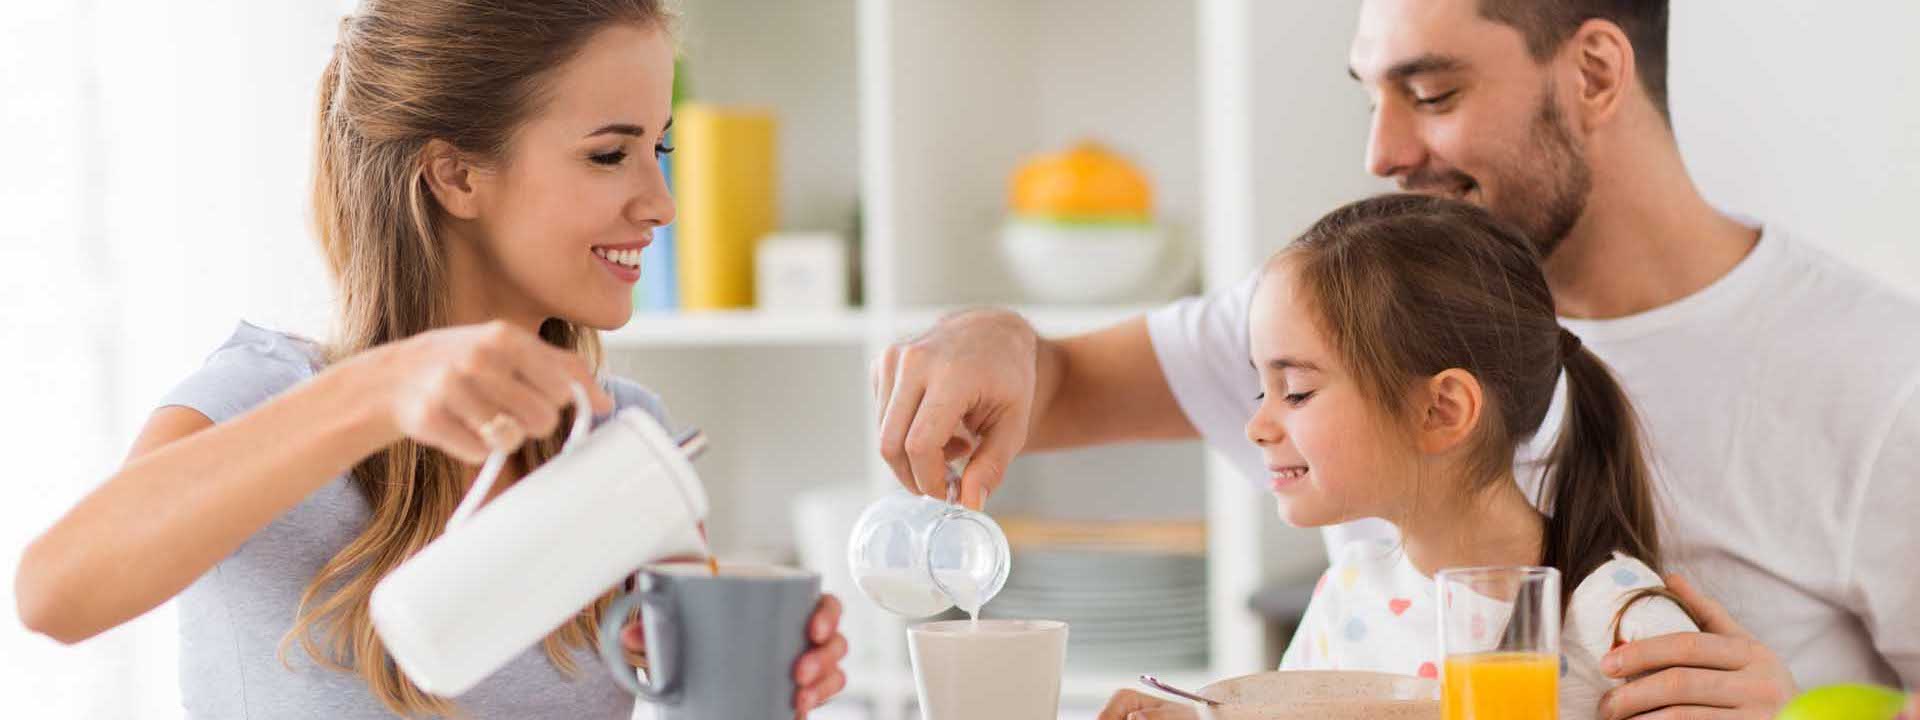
point(485, 178)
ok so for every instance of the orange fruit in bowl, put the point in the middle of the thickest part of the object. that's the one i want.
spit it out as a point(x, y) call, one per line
point(1084, 183)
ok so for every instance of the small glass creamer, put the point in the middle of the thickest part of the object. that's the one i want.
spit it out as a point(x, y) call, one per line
point(917, 556)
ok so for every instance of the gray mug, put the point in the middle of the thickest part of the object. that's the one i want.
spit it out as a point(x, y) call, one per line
point(718, 647)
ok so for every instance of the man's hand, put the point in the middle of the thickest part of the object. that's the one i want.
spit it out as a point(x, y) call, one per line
point(1721, 672)
point(964, 389)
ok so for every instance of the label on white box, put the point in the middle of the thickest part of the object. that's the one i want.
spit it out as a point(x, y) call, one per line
point(801, 271)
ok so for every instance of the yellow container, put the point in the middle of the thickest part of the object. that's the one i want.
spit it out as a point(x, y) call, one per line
point(724, 176)
point(1501, 686)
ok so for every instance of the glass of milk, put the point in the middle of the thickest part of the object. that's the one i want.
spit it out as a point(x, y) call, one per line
point(917, 556)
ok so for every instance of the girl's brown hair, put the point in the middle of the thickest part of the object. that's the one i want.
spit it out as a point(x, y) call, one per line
point(1408, 286)
point(404, 73)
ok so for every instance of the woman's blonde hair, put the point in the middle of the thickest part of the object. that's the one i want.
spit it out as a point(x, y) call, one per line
point(403, 73)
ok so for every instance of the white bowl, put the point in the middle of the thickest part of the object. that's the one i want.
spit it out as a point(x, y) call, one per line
point(1090, 263)
point(1324, 695)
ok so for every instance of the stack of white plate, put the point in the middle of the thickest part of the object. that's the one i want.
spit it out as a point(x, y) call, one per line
point(1135, 611)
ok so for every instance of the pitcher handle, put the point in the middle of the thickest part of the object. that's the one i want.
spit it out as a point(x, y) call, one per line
point(497, 460)
point(663, 675)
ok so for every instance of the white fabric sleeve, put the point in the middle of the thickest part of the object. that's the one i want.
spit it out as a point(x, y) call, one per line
point(1652, 617)
point(1201, 343)
point(1601, 595)
point(1587, 632)
point(1882, 587)
point(1582, 682)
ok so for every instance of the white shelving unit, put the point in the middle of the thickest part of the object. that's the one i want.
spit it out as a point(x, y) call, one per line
point(739, 328)
point(761, 328)
point(912, 114)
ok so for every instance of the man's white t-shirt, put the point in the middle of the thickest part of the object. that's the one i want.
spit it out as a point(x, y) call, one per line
point(1781, 419)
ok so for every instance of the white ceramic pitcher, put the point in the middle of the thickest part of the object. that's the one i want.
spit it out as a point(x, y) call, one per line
point(505, 575)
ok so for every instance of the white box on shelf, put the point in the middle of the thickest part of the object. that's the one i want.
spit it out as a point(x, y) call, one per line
point(801, 271)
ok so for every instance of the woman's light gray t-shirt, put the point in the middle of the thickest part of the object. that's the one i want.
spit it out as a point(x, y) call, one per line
point(232, 618)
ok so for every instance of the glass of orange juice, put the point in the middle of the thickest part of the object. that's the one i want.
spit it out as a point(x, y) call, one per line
point(1500, 642)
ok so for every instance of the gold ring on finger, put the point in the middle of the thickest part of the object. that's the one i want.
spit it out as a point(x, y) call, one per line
point(502, 432)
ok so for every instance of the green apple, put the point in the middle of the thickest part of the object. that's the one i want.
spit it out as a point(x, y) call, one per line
point(1845, 702)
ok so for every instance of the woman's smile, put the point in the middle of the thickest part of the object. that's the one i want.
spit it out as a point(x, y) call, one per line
point(622, 260)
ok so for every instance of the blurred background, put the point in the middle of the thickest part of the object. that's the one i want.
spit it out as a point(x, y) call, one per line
point(154, 176)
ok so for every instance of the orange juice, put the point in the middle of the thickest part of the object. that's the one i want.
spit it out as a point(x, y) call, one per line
point(1501, 686)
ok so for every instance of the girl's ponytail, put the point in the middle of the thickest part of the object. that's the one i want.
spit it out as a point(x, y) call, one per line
point(1598, 483)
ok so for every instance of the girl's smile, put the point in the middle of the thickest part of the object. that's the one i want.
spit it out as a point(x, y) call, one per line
point(1282, 477)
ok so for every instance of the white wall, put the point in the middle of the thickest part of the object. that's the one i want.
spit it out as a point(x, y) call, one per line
point(209, 112)
point(55, 378)
point(153, 193)
point(1807, 115)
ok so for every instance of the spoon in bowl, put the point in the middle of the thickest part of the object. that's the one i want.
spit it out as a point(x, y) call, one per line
point(1154, 682)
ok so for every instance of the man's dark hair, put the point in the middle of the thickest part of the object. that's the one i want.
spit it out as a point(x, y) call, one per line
point(1548, 24)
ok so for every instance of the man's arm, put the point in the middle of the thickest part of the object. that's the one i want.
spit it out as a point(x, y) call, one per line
point(1104, 387)
point(984, 385)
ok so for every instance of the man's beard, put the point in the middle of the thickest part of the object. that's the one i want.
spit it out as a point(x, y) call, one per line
point(1543, 188)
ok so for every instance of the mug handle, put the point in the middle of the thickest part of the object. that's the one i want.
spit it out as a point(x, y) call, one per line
point(663, 676)
point(496, 460)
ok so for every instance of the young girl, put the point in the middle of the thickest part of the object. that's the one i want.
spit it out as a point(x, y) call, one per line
point(1407, 347)
point(485, 178)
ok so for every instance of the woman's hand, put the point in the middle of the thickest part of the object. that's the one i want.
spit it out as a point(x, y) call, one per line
point(817, 672)
point(449, 388)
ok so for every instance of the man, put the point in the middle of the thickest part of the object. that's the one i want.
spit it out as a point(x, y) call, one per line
point(1777, 387)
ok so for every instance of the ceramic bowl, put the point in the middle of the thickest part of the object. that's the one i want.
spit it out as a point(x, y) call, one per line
point(1324, 695)
point(1082, 263)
